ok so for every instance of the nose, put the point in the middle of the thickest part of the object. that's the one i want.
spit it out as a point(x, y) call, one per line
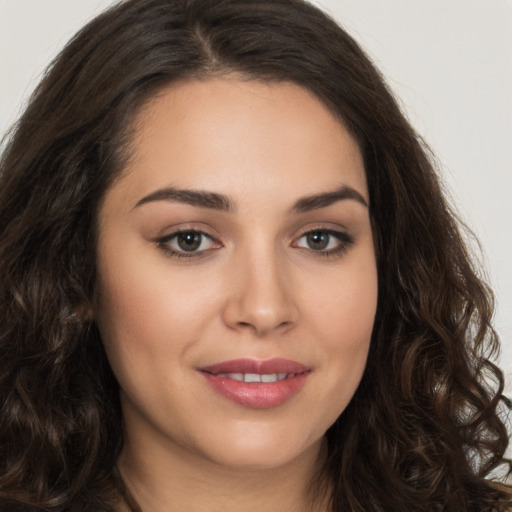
point(261, 295)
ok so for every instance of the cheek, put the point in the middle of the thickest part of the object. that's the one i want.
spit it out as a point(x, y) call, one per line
point(140, 288)
point(343, 304)
point(342, 315)
point(144, 314)
point(347, 335)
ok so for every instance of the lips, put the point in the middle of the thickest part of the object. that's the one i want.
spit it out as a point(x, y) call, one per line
point(257, 384)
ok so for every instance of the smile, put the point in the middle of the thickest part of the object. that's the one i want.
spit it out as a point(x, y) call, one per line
point(257, 384)
point(255, 377)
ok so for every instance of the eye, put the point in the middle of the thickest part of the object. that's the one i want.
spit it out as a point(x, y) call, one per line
point(325, 241)
point(187, 243)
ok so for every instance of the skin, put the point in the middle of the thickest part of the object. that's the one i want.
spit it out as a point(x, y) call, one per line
point(254, 289)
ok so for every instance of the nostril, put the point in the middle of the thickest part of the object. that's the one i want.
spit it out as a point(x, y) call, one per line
point(260, 301)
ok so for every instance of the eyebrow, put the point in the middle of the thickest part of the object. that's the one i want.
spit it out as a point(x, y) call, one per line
point(325, 199)
point(198, 198)
point(220, 202)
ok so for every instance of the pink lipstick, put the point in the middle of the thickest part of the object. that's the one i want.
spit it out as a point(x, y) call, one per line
point(257, 384)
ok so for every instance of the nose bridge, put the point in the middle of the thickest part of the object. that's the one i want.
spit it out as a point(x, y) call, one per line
point(262, 297)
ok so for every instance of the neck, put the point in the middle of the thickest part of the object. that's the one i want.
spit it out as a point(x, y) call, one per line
point(168, 480)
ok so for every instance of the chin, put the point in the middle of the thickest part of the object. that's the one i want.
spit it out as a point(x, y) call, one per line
point(255, 449)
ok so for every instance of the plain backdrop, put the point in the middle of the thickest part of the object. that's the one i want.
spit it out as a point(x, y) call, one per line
point(449, 62)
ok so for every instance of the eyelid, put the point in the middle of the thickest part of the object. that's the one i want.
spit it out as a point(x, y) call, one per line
point(164, 245)
point(346, 240)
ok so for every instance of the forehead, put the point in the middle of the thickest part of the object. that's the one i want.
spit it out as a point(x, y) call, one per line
point(229, 135)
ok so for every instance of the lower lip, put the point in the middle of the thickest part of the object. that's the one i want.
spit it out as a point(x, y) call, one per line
point(258, 395)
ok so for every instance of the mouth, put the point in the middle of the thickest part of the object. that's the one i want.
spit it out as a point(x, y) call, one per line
point(256, 377)
point(257, 384)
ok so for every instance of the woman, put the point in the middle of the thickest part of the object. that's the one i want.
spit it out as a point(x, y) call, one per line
point(230, 279)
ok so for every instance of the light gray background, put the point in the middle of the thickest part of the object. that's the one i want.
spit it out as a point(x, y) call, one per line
point(449, 61)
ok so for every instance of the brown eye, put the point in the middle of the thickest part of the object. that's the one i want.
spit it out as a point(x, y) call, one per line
point(189, 240)
point(188, 243)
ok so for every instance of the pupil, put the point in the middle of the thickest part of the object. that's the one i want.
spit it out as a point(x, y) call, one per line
point(318, 240)
point(189, 241)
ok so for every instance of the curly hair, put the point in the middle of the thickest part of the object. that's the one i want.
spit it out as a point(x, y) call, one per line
point(425, 429)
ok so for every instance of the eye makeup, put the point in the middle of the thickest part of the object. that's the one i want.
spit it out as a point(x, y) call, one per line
point(195, 243)
point(325, 242)
point(187, 243)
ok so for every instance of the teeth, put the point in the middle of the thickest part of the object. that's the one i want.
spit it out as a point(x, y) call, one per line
point(255, 377)
point(235, 376)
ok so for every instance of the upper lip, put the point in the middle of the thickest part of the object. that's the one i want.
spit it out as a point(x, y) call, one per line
point(269, 366)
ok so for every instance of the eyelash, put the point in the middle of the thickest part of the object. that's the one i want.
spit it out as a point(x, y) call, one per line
point(163, 244)
point(345, 241)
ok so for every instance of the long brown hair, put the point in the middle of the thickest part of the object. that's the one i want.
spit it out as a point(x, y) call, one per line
point(424, 430)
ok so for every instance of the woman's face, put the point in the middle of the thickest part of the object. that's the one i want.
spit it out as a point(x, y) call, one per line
point(237, 277)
